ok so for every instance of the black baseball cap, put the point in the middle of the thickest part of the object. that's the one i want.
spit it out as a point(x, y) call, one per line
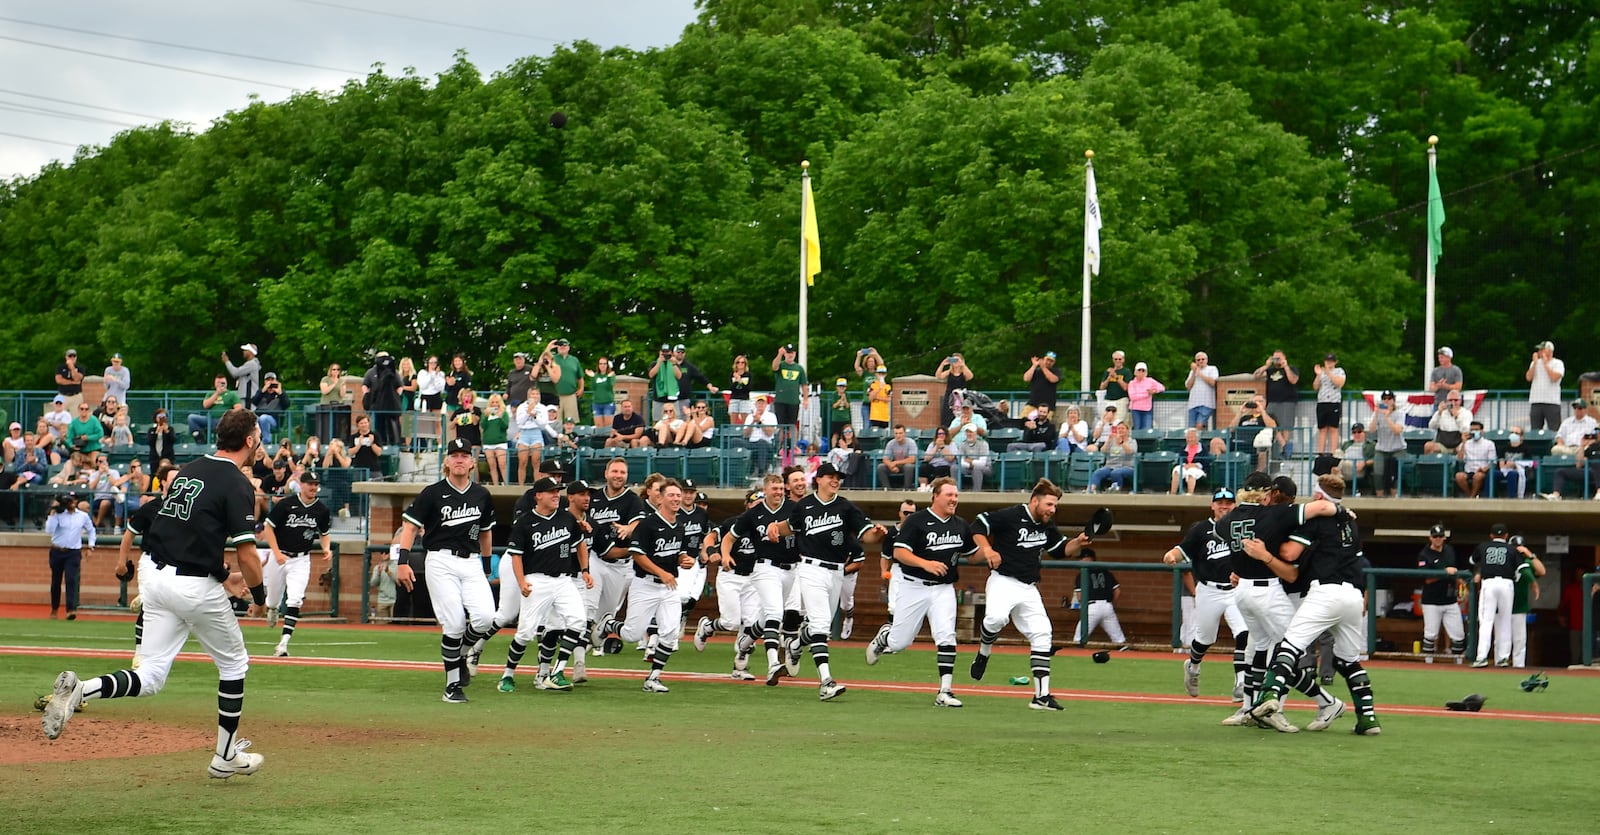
point(1358, 427)
point(1498, 529)
point(1387, 394)
point(309, 477)
point(1285, 486)
point(547, 485)
point(827, 468)
point(458, 445)
point(700, 497)
point(1516, 541)
point(1438, 530)
point(1257, 480)
point(579, 486)
point(552, 467)
point(1224, 495)
point(563, 341)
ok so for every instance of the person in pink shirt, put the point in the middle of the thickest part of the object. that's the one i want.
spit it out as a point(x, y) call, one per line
point(1142, 391)
point(1191, 464)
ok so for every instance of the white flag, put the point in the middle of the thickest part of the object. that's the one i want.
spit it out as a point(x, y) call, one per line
point(1091, 224)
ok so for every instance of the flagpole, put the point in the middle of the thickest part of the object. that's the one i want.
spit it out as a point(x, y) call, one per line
point(1427, 333)
point(805, 184)
point(1083, 351)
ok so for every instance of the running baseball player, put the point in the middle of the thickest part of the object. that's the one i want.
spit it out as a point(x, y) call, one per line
point(888, 568)
point(928, 547)
point(616, 509)
point(660, 550)
point(295, 526)
point(829, 530)
point(456, 516)
point(1440, 605)
point(547, 550)
point(1099, 591)
point(1210, 561)
point(1328, 548)
point(773, 575)
point(1012, 541)
point(600, 540)
point(209, 507)
point(738, 605)
point(139, 523)
point(509, 607)
point(795, 488)
point(697, 530)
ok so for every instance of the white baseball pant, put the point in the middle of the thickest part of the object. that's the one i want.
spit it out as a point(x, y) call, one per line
point(175, 607)
point(1519, 639)
point(1494, 617)
point(460, 592)
point(290, 578)
point(1009, 599)
point(737, 602)
point(553, 603)
point(510, 608)
point(1100, 614)
point(1266, 610)
point(650, 600)
point(1212, 605)
point(917, 601)
point(691, 582)
point(1448, 614)
point(611, 583)
point(819, 595)
point(1335, 607)
point(847, 591)
point(1186, 620)
point(773, 587)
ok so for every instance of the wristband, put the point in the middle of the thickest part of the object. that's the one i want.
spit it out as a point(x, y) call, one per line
point(396, 555)
point(258, 594)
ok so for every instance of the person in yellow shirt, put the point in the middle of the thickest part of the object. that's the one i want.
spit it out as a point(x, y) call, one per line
point(878, 399)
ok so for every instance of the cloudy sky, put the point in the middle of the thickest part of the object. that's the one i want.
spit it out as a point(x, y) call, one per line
point(77, 72)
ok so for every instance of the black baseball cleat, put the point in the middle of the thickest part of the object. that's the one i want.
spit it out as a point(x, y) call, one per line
point(1045, 702)
point(980, 662)
point(454, 695)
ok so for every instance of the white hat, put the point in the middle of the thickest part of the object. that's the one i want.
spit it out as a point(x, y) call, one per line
point(971, 427)
point(249, 346)
point(1139, 366)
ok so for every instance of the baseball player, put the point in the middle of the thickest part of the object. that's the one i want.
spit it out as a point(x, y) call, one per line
point(547, 550)
point(773, 576)
point(295, 525)
point(601, 543)
point(795, 488)
point(1099, 590)
point(1525, 590)
point(738, 605)
point(209, 507)
point(1328, 548)
point(616, 509)
point(1439, 601)
point(698, 533)
point(1210, 562)
point(1495, 565)
point(829, 530)
point(660, 550)
point(1012, 541)
point(929, 545)
point(139, 523)
point(509, 607)
point(456, 517)
point(889, 569)
point(1265, 511)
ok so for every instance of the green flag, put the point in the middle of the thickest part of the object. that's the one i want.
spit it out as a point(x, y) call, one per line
point(1435, 218)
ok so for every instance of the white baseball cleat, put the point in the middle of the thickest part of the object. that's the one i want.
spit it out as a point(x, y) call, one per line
point(654, 685)
point(1266, 707)
point(830, 689)
point(1191, 678)
point(1280, 723)
point(742, 675)
point(946, 699)
point(473, 655)
point(879, 643)
point(241, 762)
point(1326, 715)
point(1045, 702)
point(1240, 718)
point(272, 616)
point(792, 655)
point(283, 649)
point(1238, 693)
point(847, 627)
point(64, 701)
point(702, 633)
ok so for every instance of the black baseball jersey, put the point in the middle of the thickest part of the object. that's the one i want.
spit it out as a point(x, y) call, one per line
point(695, 524)
point(1019, 539)
point(660, 541)
point(211, 505)
point(926, 535)
point(1272, 524)
point(527, 502)
point(753, 524)
point(298, 526)
point(451, 519)
point(1333, 550)
point(1210, 557)
point(140, 520)
point(600, 538)
point(1096, 584)
point(608, 510)
point(828, 531)
point(743, 550)
point(1438, 591)
point(1495, 559)
point(548, 544)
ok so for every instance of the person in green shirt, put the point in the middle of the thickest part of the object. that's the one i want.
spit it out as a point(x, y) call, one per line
point(839, 411)
point(84, 433)
point(218, 403)
point(496, 425)
point(569, 384)
point(603, 387)
point(1524, 591)
point(788, 386)
point(665, 375)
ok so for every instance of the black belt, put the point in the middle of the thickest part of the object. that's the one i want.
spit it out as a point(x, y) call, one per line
point(288, 555)
point(1260, 584)
point(54, 549)
point(654, 579)
point(616, 560)
point(1216, 585)
point(776, 565)
point(745, 573)
point(832, 566)
point(920, 581)
point(1341, 583)
point(464, 555)
point(183, 569)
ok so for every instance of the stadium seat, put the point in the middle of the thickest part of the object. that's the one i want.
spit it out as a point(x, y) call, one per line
point(1435, 474)
point(1014, 470)
point(705, 466)
point(1080, 467)
point(1149, 440)
point(1153, 472)
point(1416, 439)
point(670, 461)
point(1538, 443)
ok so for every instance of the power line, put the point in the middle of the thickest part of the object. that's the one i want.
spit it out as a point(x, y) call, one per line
point(94, 54)
point(181, 46)
point(37, 139)
point(34, 110)
point(81, 104)
point(398, 16)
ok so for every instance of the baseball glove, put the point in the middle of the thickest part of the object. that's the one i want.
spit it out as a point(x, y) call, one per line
point(1535, 683)
point(124, 571)
point(136, 605)
point(1471, 703)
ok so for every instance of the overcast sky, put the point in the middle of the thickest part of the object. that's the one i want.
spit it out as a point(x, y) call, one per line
point(63, 80)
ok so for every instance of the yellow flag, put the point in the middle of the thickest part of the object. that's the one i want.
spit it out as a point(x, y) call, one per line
point(810, 242)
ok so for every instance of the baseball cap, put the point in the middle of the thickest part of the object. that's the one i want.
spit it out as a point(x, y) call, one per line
point(249, 346)
point(15, 425)
point(60, 398)
point(1438, 530)
point(883, 369)
point(827, 468)
point(666, 346)
point(72, 352)
point(1050, 355)
point(1446, 352)
point(761, 397)
point(971, 427)
point(1579, 404)
point(1285, 486)
point(271, 375)
point(1516, 541)
point(520, 354)
point(1331, 356)
point(753, 496)
point(309, 477)
point(552, 467)
point(841, 382)
point(679, 347)
point(579, 486)
point(117, 355)
point(547, 485)
point(789, 347)
point(563, 342)
point(1139, 366)
point(1546, 345)
point(458, 445)
point(700, 497)
point(1388, 395)
point(1358, 427)
point(1498, 529)
point(279, 464)
point(1223, 495)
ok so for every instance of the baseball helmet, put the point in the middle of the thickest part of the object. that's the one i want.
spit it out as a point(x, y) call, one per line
point(1102, 657)
point(1471, 703)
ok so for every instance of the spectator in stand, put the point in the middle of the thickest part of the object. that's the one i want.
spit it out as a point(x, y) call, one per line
point(220, 401)
point(46, 442)
point(162, 441)
point(431, 383)
point(334, 404)
point(1388, 435)
point(246, 375)
point(1142, 391)
point(1585, 474)
point(1355, 459)
point(1103, 428)
point(133, 484)
point(519, 380)
point(699, 427)
point(1114, 382)
point(312, 458)
point(1042, 378)
point(366, 448)
point(847, 458)
point(457, 378)
point(956, 375)
point(666, 429)
point(1191, 466)
point(760, 429)
point(337, 457)
point(973, 457)
point(1282, 396)
point(380, 582)
point(1074, 434)
point(1509, 475)
point(666, 381)
point(899, 460)
point(1569, 435)
point(968, 417)
point(121, 430)
point(692, 376)
point(569, 385)
point(878, 399)
point(59, 417)
point(1038, 431)
point(789, 386)
point(1329, 380)
point(739, 391)
point(270, 406)
point(105, 497)
point(1118, 469)
point(867, 362)
point(84, 436)
point(1445, 377)
point(380, 392)
point(117, 379)
point(15, 444)
point(627, 430)
point(106, 413)
point(69, 381)
point(30, 468)
point(496, 431)
point(1478, 458)
point(285, 452)
point(1544, 387)
point(839, 411)
point(407, 372)
point(1202, 386)
point(937, 459)
point(603, 388)
point(467, 422)
point(1450, 424)
point(533, 424)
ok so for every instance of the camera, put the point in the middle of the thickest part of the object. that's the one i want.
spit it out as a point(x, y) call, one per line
point(66, 504)
point(1249, 406)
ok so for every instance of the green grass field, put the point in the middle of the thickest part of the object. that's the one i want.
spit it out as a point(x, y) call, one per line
point(359, 750)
